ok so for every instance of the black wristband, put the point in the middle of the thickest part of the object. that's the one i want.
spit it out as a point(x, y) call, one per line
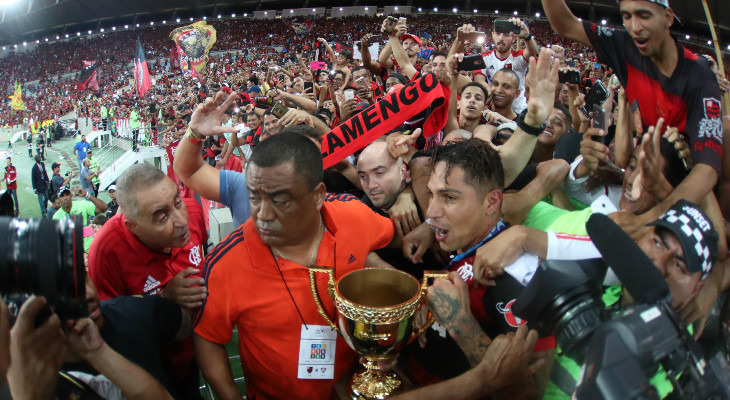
point(528, 38)
point(530, 130)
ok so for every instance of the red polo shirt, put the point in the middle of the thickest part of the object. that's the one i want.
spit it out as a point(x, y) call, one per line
point(120, 265)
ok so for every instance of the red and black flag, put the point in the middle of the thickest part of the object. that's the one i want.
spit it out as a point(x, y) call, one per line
point(87, 80)
point(142, 82)
point(174, 58)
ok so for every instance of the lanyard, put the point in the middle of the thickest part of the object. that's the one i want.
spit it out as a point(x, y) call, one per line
point(494, 232)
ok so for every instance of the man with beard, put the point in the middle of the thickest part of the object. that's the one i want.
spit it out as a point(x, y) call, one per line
point(504, 57)
point(404, 47)
point(644, 56)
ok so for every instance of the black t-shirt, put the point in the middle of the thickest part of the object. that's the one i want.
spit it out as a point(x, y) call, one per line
point(138, 328)
point(688, 100)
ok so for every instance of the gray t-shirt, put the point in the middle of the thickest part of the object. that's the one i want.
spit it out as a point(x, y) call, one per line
point(234, 195)
point(85, 183)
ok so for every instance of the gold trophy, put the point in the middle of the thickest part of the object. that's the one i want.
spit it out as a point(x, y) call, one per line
point(376, 308)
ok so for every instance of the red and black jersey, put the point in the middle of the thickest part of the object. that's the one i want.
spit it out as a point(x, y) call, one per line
point(688, 100)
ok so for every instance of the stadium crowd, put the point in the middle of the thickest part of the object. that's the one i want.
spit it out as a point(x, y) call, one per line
point(474, 146)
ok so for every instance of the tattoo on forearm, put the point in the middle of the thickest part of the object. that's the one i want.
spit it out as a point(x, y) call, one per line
point(462, 326)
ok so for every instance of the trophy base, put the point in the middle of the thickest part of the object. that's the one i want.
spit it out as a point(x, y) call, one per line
point(368, 385)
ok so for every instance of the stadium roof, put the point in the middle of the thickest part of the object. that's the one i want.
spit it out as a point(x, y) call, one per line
point(22, 20)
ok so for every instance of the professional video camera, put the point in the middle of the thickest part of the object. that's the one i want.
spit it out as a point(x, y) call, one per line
point(45, 258)
point(620, 351)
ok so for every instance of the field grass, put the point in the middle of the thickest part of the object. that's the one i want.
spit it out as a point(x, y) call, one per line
point(232, 348)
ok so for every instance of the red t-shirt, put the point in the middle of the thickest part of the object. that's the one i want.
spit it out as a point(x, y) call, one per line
point(11, 176)
point(120, 265)
point(246, 289)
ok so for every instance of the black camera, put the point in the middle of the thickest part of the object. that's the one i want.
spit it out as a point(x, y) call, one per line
point(620, 350)
point(46, 258)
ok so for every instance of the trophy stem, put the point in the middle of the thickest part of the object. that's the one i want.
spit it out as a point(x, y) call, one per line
point(370, 385)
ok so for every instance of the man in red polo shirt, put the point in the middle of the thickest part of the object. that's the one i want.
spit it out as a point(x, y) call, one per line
point(154, 246)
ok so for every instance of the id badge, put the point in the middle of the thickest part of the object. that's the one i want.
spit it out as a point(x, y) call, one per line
point(317, 352)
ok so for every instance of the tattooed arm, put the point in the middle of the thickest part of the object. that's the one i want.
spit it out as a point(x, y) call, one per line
point(449, 302)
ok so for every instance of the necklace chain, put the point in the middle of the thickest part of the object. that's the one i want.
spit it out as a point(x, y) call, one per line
point(313, 257)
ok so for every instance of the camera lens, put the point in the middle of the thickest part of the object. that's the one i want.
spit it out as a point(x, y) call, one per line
point(44, 257)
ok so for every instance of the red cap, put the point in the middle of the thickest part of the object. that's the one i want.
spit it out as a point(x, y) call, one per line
point(411, 36)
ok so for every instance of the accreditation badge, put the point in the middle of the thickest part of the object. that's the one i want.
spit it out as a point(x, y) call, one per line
point(317, 352)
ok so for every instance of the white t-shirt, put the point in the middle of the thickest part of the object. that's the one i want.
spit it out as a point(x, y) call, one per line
point(515, 61)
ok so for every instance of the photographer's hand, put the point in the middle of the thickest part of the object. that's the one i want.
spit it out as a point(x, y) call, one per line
point(4, 339)
point(187, 292)
point(36, 354)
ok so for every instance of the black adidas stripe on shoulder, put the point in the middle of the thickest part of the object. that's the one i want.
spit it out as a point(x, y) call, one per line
point(340, 197)
point(220, 250)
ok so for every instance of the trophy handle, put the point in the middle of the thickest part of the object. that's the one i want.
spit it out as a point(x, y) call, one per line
point(330, 292)
point(424, 287)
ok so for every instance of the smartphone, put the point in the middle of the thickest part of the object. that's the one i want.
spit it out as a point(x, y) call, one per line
point(570, 76)
point(278, 110)
point(390, 23)
point(597, 66)
point(504, 26)
point(308, 86)
point(349, 94)
point(597, 95)
point(475, 37)
point(598, 120)
point(570, 63)
point(471, 63)
point(318, 65)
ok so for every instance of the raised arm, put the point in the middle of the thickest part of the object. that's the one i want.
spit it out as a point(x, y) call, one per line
point(564, 22)
point(404, 62)
point(188, 164)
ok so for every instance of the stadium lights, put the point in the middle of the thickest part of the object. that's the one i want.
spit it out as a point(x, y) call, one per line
point(496, 11)
point(233, 15)
point(3, 48)
point(78, 33)
point(178, 20)
point(205, 18)
point(219, 16)
point(15, 46)
point(435, 9)
point(580, 19)
point(114, 28)
point(137, 25)
point(191, 19)
point(46, 39)
point(728, 47)
point(152, 23)
point(396, 8)
point(314, 10)
point(420, 9)
point(25, 43)
point(709, 42)
point(164, 21)
point(37, 41)
point(102, 29)
point(89, 31)
point(515, 12)
point(291, 11)
point(537, 15)
point(686, 37)
point(454, 10)
point(266, 13)
point(475, 11)
point(245, 14)
point(367, 8)
point(340, 8)
point(67, 36)
point(603, 22)
point(57, 37)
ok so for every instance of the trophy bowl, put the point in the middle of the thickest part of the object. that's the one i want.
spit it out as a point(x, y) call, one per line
point(376, 309)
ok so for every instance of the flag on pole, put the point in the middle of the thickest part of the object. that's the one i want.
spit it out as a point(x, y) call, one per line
point(193, 43)
point(174, 58)
point(17, 99)
point(87, 80)
point(142, 81)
